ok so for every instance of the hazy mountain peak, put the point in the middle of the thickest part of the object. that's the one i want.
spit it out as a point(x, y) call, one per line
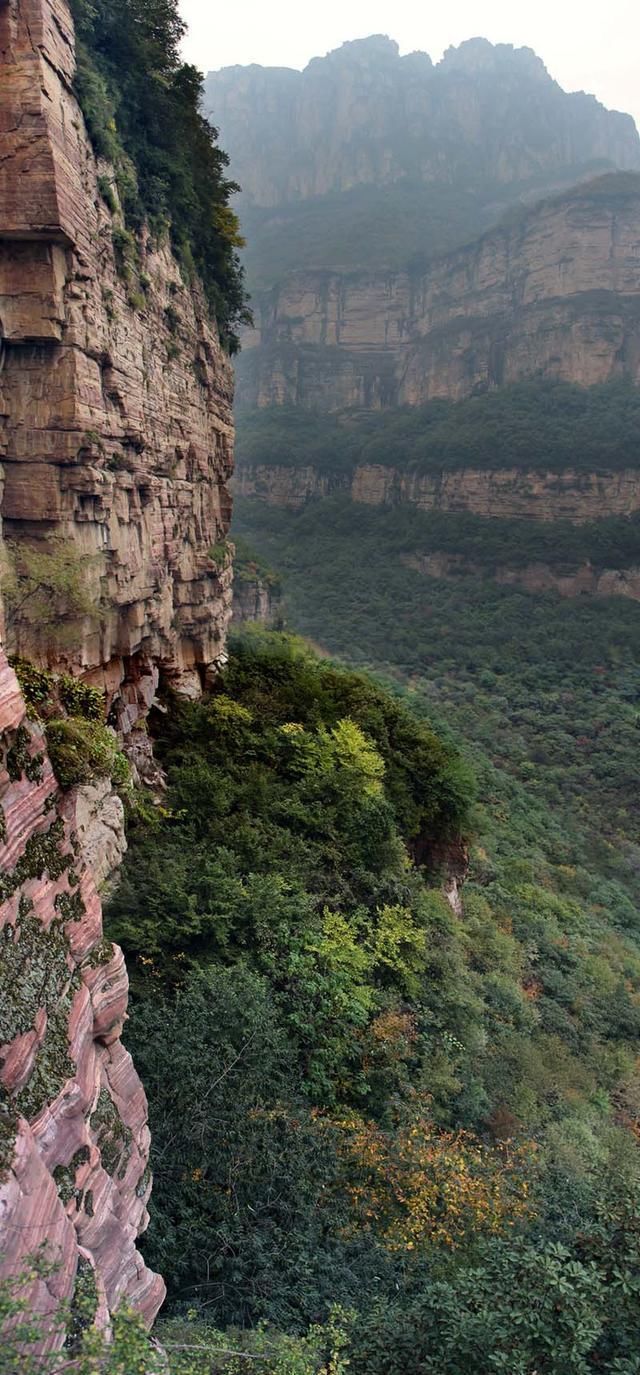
point(477, 55)
point(360, 50)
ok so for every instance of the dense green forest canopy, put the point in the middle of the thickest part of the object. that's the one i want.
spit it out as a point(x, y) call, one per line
point(142, 105)
point(539, 424)
point(549, 688)
point(376, 1102)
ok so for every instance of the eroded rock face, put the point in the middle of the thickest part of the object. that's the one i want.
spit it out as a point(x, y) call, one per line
point(115, 394)
point(555, 295)
point(582, 581)
point(256, 599)
point(74, 1141)
point(510, 493)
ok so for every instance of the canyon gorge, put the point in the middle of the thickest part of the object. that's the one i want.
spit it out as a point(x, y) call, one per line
point(319, 871)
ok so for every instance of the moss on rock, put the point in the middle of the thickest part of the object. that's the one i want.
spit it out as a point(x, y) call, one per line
point(113, 1137)
point(64, 1176)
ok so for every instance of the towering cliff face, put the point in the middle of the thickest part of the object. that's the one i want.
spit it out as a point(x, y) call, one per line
point(363, 114)
point(115, 434)
point(115, 395)
point(554, 294)
point(371, 161)
point(74, 1141)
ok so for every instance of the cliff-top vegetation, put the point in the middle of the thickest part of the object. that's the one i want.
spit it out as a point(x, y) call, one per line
point(142, 105)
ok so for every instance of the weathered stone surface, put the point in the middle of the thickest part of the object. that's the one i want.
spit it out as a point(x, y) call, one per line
point(507, 492)
point(96, 814)
point(115, 394)
point(255, 599)
point(74, 1133)
point(557, 294)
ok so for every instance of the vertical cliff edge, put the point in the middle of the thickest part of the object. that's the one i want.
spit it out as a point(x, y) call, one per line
point(115, 394)
point(74, 1141)
point(116, 436)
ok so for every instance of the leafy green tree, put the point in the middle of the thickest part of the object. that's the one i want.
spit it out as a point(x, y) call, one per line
point(142, 104)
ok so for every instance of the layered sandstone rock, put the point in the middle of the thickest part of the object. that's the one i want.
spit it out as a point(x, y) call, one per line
point(256, 598)
point(554, 294)
point(74, 1141)
point(115, 395)
point(510, 493)
point(582, 581)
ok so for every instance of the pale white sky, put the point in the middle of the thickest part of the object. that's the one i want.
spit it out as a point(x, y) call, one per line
point(591, 45)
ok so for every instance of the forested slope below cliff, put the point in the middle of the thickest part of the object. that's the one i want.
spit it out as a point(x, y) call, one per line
point(418, 1100)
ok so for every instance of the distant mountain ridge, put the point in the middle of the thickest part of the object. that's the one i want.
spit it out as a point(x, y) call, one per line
point(365, 115)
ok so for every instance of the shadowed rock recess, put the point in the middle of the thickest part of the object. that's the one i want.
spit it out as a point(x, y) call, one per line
point(74, 1141)
point(115, 402)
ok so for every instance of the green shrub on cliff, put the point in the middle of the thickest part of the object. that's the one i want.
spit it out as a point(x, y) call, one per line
point(142, 107)
point(48, 593)
point(82, 751)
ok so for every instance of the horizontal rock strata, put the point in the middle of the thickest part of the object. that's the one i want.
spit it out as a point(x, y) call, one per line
point(583, 581)
point(115, 394)
point(555, 294)
point(505, 492)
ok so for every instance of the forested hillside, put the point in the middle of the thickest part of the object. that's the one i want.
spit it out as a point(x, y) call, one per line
point(415, 1111)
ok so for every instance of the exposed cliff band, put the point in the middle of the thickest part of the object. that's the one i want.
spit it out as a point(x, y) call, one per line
point(115, 396)
point(555, 294)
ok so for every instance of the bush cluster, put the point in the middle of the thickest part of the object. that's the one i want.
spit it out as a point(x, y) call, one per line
point(82, 751)
point(142, 105)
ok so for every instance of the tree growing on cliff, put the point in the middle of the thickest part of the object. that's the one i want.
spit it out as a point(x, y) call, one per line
point(142, 106)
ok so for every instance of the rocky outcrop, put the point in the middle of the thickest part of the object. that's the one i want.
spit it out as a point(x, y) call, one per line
point(582, 581)
point(510, 493)
point(555, 293)
point(74, 1141)
point(364, 115)
point(115, 395)
point(97, 815)
point(256, 598)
